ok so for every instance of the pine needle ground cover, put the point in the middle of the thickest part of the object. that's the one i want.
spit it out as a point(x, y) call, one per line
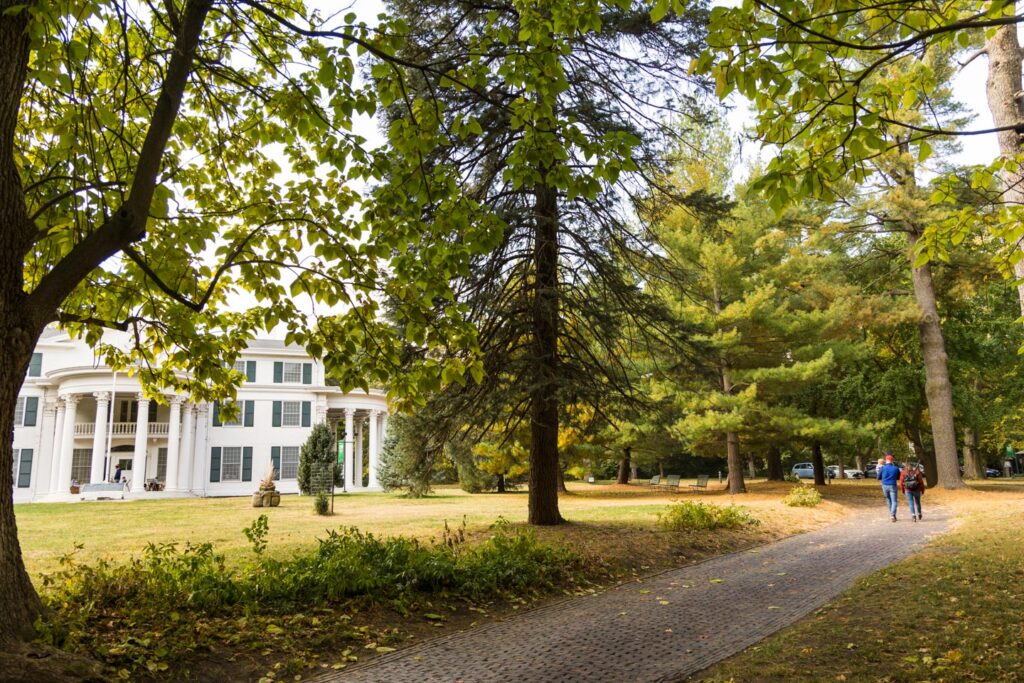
point(953, 612)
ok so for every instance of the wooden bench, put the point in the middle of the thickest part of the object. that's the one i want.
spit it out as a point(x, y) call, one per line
point(672, 481)
point(655, 480)
point(702, 483)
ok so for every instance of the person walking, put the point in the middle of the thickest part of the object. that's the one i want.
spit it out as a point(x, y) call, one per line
point(889, 475)
point(913, 485)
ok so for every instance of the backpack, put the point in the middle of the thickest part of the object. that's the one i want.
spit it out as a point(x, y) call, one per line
point(912, 480)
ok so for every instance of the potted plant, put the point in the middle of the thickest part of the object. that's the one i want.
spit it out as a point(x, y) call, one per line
point(74, 486)
point(268, 495)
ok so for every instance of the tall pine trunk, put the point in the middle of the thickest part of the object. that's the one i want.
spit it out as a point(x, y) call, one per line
point(938, 389)
point(775, 472)
point(732, 439)
point(819, 464)
point(544, 472)
point(1003, 90)
point(624, 465)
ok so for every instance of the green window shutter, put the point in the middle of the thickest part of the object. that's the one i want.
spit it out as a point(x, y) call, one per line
point(250, 407)
point(25, 469)
point(246, 463)
point(31, 410)
point(278, 372)
point(152, 411)
point(307, 373)
point(35, 366)
point(216, 414)
point(215, 463)
point(306, 406)
point(275, 460)
point(250, 371)
point(275, 420)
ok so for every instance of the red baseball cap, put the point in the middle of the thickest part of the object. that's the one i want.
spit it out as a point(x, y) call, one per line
point(888, 457)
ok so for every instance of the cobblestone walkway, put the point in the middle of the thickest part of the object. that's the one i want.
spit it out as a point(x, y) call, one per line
point(669, 625)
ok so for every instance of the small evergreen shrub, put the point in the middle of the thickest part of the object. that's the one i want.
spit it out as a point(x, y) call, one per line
point(792, 478)
point(321, 504)
point(689, 515)
point(802, 496)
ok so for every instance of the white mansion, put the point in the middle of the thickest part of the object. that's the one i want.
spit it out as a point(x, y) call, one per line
point(77, 421)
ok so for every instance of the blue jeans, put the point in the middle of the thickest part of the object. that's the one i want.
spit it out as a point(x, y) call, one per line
point(914, 501)
point(891, 497)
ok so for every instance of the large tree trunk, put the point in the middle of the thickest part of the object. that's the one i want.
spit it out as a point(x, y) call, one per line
point(561, 481)
point(544, 472)
point(501, 482)
point(938, 389)
point(775, 472)
point(19, 604)
point(624, 465)
point(819, 464)
point(841, 465)
point(1003, 90)
point(973, 469)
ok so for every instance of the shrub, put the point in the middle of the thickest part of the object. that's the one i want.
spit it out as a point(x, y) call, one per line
point(802, 496)
point(690, 515)
point(792, 478)
point(321, 504)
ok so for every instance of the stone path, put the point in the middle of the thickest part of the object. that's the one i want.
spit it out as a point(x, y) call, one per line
point(669, 625)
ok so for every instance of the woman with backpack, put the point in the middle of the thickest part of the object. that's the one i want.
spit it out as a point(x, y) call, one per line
point(912, 484)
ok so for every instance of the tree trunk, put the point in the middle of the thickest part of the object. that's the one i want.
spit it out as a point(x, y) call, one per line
point(751, 465)
point(775, 472)
point(841, 466)
point(819, 464)
point(501, 482)
point(624, 465)
point(938, 389)
point(544, 465)
point(1003, 88)
point(973, 469)
point(732, 439)
point(661, 469)
point(561, 481)
point(18, 334)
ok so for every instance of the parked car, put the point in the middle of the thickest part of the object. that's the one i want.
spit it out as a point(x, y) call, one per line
point(871, 471)
point(805, 470)
point(990, 472)
point(850, 474)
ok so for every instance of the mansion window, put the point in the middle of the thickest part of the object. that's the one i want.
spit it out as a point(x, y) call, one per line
point(22, 467)
point(289, 462)
point(293, 373)
point(231, 464)
point(26, 409)
point(81, 465)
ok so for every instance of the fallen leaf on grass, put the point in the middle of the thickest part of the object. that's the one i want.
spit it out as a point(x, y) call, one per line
point(716, 580)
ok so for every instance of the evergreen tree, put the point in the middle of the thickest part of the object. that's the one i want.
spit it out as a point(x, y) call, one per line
point(319, 455)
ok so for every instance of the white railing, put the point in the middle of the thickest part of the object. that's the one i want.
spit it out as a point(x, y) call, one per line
point(123, 429)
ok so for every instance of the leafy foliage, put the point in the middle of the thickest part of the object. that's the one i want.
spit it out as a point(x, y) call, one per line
point(803, 496)
point(319, 454)
point(689, 516)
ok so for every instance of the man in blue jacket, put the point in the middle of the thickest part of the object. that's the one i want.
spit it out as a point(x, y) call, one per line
point(889, 474)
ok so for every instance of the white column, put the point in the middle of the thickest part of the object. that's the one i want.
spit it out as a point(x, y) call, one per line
point(173, 444)
point(45, 452)
point(58, 437)
point(141, 446)
point(357, 480)
point(374, 445)
point(201, 450)
point(67, 442)
point(383, 428)
point(186, 449)
point(350, 456)
point(99, 438)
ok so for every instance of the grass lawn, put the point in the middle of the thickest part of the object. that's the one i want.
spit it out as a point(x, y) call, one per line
point(954, 612)
point(117, 530)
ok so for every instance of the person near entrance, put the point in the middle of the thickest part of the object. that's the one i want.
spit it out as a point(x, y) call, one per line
point(889, 475)
point(117, 474)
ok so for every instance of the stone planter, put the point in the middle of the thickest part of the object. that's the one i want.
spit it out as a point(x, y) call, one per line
point(75, 489)
point(271, 499)
point(257, 500)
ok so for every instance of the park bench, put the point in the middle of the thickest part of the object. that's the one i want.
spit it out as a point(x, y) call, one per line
point(672, 481)
point(655, 480)
point(702, 483)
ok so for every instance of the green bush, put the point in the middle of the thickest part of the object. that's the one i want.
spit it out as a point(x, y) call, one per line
point(792, 478)
point(690, 515)
point(346, 564)
point(321, 504)
point(802, 496)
